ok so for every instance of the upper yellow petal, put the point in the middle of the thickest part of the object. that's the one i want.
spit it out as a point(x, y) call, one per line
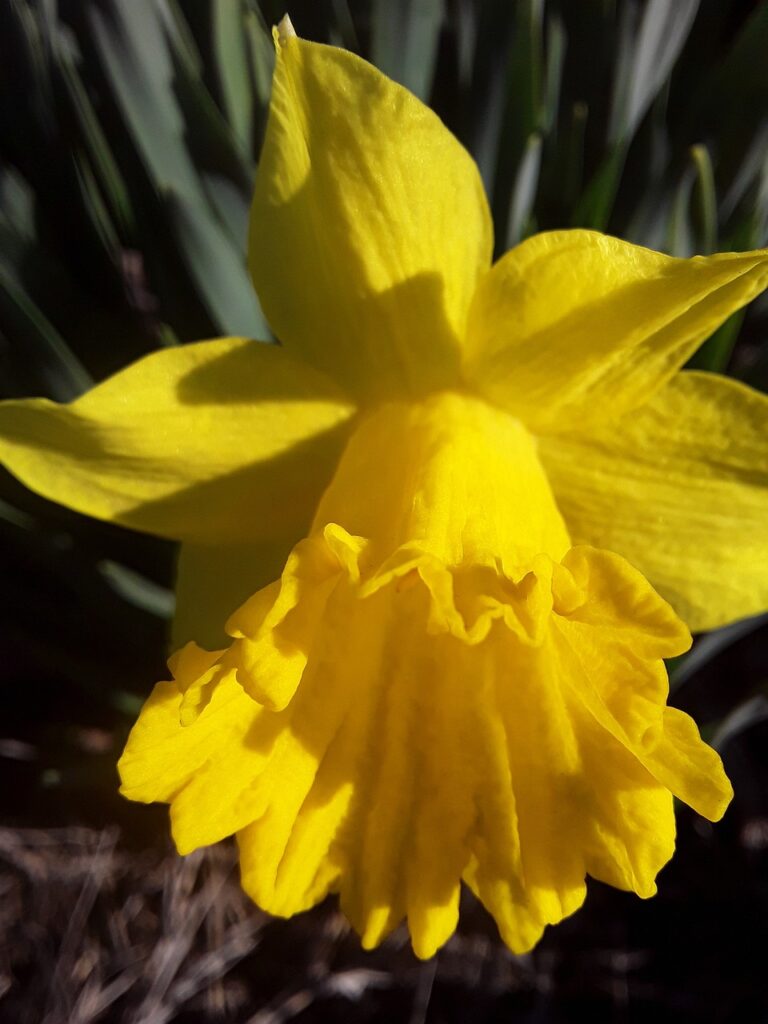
point(573, 328)
point(227, 438)
point(369, 226)
point(680, 488)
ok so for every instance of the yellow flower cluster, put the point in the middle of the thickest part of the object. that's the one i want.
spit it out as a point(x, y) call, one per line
point(428, 520)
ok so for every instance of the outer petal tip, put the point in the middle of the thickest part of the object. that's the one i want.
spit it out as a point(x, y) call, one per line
point(284, 31)
point(572, 328)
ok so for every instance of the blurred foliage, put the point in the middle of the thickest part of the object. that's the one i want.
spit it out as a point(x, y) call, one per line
point(129, 137)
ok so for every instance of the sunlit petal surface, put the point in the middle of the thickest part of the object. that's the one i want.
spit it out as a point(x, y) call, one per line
point(196, 442)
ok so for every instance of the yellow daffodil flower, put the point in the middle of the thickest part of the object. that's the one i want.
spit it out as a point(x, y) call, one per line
point(428, 520)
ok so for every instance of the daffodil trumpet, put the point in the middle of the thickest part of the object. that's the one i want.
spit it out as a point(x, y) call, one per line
point(437, 543)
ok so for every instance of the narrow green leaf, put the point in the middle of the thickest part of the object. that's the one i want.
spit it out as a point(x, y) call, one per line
point(624, 50)
point(28, 38)
point(739, 82)
point(231, 205)
point(524, 192)
point(230, 50)
point(405, 34)
point(485, 120)
point(523, 107)
point(664, 28)
point(137, 590)
point(95, 208)
point(750, 713)
point(693, 229)
point(680, 230)
point(572, 172)
point(752, 170)
point(760, 232)
point(217, 267)
point(528, 62)
point(154, 76)
point(165, 336)
point(553, 73)
point(593, 209)
point(17, 203)
point(179, 34)
point(16, 516)
point(100, 153)
point(710, 645)
point(262, 58)
point(132, 43)
point(706, 200)
point(62, 373)
point(210, 139)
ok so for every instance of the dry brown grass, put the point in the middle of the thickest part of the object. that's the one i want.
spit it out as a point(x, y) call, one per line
point(92, 931)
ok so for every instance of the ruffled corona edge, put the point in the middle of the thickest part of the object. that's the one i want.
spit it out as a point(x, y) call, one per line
point(385, 731)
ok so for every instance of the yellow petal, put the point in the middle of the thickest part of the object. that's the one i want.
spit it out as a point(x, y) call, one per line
point(227, 438)
point(459, 695)
point(574, 327)
point(369, 225)
point(221, 752)
point(680, 489)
